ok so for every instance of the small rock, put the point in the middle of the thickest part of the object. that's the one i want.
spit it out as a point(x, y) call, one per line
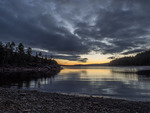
point(22, 94)
point(26, 110)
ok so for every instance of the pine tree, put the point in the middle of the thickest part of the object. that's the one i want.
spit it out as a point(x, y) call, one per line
point(21, 49)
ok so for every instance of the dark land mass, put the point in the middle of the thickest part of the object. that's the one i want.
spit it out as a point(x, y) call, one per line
point(16, 59)
point(21, 101)
point(141, 59)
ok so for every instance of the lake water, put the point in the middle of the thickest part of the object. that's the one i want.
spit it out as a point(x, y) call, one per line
point(116, 82)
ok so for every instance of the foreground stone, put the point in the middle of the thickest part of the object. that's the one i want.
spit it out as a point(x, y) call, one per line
point(21, 101)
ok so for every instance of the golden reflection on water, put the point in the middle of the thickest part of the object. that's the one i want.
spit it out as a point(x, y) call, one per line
point(120, 82)
point(107, 74)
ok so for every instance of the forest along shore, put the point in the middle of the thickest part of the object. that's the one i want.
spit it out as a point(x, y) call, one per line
point(21, 101)
point(15, 58)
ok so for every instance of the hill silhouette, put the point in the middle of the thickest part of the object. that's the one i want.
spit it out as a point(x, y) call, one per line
point(141, 59)
point(17, 56)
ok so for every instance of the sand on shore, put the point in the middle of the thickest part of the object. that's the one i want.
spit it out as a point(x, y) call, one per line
point(23, 101)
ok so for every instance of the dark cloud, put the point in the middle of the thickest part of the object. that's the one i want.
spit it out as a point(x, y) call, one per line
point(76, 27)
point(121, 27)
point(111, 57)
point(133, 51)
point(70, 58)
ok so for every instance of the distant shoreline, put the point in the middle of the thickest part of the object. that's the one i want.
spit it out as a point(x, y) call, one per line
point(42, 102)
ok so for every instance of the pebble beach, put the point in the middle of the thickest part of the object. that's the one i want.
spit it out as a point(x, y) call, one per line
point(25, 101)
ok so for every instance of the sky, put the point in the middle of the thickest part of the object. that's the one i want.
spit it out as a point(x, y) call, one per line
point(78, 31)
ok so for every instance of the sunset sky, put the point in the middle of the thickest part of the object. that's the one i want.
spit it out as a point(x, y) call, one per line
point(77, 31)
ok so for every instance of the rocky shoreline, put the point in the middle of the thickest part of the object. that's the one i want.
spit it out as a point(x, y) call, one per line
point(23, 101)
point(52, 68)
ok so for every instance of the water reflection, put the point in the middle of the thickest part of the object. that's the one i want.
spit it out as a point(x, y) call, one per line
point(119, 82)
point(25, 79)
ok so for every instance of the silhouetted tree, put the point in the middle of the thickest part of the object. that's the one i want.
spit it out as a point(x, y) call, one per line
point(21, 49)
point(2, 55)
point(29, 51)
point(40, 54)
point(12, 45)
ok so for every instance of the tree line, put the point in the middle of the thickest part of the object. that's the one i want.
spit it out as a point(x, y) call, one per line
point(141, 59)
point(12, 55)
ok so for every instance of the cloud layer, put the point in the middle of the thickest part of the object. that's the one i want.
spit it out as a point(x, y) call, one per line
point(76, 27)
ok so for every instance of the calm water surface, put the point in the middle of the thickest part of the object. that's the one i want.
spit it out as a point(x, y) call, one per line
point(114, 82)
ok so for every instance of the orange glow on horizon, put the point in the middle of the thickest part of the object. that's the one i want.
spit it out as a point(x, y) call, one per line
point(93, 58)
point(66, 62)
point(99, 73)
